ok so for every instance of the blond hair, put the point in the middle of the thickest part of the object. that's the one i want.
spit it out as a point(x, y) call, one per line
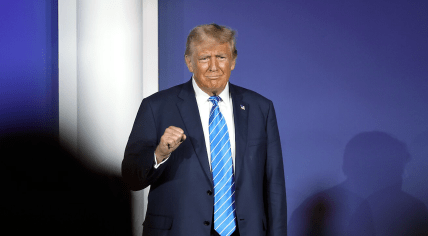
point(221, 34)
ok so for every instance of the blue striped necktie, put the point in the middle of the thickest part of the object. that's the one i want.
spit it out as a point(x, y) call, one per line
point(222, 170)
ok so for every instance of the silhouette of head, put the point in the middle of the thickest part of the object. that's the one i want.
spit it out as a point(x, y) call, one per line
point(375, 157)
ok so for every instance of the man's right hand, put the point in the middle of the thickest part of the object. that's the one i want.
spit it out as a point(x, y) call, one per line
point(170, 140)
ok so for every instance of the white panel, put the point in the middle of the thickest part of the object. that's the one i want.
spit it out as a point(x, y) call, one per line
point(109, 65)
point(106, 67)
point(150, 85)
point(67, 58)
point(150, 47)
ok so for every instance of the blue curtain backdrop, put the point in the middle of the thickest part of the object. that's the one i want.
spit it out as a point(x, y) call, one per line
point(335, 70)
point(29, 66)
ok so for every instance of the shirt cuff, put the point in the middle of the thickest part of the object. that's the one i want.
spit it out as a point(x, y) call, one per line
point(164, 160)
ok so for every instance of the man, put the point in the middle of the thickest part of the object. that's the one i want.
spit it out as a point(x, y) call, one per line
point(209, 150)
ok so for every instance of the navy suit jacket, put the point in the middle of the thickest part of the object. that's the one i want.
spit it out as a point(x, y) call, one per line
point(180, 201)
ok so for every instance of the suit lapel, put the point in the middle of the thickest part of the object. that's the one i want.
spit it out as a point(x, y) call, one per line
point(190, 115)
point(240, 113)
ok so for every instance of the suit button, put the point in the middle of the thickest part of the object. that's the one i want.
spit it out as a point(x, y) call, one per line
point(206, 223)
point(209, 192)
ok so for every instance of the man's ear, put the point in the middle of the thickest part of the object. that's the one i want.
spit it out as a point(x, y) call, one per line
point(188, 63)
point(232, 64)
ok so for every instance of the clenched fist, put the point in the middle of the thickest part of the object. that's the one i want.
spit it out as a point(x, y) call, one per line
point(170, 140)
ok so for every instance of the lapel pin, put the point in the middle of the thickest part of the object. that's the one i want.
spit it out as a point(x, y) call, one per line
point(243, 107)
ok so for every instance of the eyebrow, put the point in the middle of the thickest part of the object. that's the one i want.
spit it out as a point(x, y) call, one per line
point(204, 56)
point(209, 55)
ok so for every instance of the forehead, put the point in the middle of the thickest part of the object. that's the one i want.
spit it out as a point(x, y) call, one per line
point(209, 45)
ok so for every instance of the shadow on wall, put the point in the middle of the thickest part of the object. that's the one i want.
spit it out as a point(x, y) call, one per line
point(415, 179)
point(370, 201)
point(47, 190)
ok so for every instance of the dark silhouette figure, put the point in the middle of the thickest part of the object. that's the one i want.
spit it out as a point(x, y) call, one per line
point(370, 201)
point(48, 191)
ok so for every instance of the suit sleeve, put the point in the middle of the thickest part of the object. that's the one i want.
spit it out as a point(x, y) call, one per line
point(138, 163)
point(274, 187)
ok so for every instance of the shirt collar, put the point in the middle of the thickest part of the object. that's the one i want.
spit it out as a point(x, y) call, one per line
point(201, 95)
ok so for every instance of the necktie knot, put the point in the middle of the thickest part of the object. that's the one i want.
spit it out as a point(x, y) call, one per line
point(214, 99)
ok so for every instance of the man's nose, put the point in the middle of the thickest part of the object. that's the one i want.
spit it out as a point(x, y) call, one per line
point(213, 64)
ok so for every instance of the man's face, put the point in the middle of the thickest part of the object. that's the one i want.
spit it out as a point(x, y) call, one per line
point(211, 64)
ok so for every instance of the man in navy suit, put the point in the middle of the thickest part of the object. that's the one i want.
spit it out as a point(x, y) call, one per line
point(169, 149)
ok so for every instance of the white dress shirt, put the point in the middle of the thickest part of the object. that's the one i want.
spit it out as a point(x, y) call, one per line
point(204, 107)
point(226, 109)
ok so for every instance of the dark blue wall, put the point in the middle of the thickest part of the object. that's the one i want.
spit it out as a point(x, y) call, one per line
point(29, 66)
point(334, 69)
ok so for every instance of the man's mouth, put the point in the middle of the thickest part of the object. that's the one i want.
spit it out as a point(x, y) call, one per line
point(213, 76)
